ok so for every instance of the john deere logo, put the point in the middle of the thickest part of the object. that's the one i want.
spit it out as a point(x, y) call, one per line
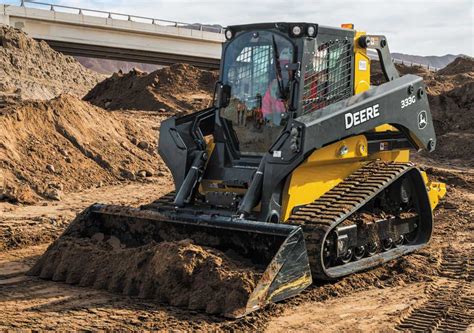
point(422, 120)
point(359, 117)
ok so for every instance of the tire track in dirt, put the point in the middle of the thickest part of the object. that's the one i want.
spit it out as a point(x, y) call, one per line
point(457, 265)
point(450, 306)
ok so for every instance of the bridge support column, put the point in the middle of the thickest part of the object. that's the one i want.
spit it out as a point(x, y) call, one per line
point(4, 17)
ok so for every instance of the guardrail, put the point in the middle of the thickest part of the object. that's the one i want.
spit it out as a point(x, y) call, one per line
point(129, 17)
point(374, 56)
point(411, 64)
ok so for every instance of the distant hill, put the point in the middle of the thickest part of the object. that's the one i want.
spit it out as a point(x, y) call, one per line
point(109, 66)
point(432, 61)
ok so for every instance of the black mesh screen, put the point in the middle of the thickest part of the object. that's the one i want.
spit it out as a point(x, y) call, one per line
point(328, 77)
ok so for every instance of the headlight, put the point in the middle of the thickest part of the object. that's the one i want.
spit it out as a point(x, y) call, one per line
point(296, 30)
point(311, 31)
point(228, 34)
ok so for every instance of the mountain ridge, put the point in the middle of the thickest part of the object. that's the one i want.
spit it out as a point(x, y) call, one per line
point(431, 61)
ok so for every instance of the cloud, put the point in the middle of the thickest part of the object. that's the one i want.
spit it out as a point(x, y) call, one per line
point(422, 27)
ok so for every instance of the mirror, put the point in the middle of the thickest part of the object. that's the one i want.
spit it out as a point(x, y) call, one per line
point(223, 95)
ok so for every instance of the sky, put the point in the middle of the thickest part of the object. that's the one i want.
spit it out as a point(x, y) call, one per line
point(419, 27)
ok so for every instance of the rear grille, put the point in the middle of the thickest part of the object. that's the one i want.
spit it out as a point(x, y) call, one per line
point(328, 78)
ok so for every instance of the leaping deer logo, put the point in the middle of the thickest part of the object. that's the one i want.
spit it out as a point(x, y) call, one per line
point(422, 120)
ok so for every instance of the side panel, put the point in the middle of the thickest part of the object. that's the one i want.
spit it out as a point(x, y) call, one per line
point(321, 171)
point(383, 104)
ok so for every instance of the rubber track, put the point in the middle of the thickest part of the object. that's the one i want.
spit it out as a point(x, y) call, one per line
point(332, 208)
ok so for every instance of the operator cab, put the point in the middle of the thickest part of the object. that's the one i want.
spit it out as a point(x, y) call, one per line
point(275, 72)
point(256, 68)
point(270, 74)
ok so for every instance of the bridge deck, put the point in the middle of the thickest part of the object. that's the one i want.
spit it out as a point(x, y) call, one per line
point(107, 37)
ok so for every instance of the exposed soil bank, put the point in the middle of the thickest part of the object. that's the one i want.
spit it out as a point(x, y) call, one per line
point(66, 144)
point(32, 70)
point(451, 99)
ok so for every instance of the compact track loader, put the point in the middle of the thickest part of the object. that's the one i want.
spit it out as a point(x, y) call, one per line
point(300, 165)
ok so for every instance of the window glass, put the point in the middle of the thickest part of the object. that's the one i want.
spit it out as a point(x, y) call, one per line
point(254, 68)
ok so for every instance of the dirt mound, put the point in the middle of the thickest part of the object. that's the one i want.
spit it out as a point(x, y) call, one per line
point(453, 110)
point(377, 77)
point(177, 89)
point(456, 148)
point(32, 70)
point(442, 84)
point(451, 97)
point(66, 144)
point(458, 73)
point(463, 64)
point(179, 273)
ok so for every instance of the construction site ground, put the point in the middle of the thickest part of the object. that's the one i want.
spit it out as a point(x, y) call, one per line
point(381, 299)
point(58, 156)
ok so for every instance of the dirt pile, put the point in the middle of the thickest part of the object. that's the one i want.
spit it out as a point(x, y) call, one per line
point(32, 70)
point(460, 65)
point(179, 88)
point(179, 273)
point(65, 145)
point(455, 75)
point(146, 259)
point(451, 92)
point(377, 77)
point(451, 98)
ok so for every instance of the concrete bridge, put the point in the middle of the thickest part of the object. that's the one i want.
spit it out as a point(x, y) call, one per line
point(100, 34)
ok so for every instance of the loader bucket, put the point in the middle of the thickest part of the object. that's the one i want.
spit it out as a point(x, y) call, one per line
point(275, 253)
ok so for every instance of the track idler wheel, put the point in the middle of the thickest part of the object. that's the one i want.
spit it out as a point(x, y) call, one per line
point(387, 244)
point(372, 249)
point(410, 237)
point(347, 256)
point(359, 252)
point(400, 240)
